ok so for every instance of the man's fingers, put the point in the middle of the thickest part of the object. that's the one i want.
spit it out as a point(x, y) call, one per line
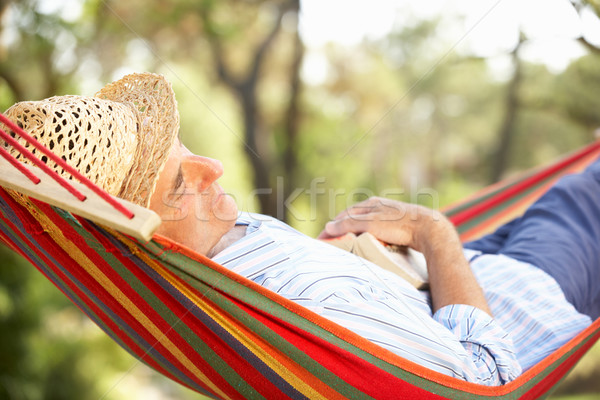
point(354, 210)
point(355, 224)
point(339, 225)
point(364, 207)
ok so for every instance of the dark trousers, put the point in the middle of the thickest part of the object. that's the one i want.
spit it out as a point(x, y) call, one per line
point(560, 234)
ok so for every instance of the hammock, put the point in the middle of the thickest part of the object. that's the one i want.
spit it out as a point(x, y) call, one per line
point(226, 337)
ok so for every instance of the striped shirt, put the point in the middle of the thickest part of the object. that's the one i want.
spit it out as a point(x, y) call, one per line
point(532, 317)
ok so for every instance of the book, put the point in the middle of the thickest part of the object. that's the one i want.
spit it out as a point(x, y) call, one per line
point(401, 260)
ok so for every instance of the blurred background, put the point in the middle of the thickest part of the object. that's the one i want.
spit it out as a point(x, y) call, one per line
point(311, 105)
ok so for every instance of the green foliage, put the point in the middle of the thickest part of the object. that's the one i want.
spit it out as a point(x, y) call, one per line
point(17, 319)
point(35, 362)
point(578, 89)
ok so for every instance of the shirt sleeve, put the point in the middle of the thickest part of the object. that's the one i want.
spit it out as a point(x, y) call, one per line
point(493, 359)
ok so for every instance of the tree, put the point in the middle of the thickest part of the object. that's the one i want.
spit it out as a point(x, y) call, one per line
point(577, 90)
point(581, 6)
point(512, 105)
point(263, 157)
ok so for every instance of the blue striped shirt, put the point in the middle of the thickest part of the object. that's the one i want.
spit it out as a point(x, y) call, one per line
point(532, 317)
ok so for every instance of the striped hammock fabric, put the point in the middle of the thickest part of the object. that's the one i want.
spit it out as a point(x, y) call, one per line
point(224, 336)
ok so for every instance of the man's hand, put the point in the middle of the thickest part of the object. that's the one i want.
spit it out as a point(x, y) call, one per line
point(391, 221)
point(428, 231)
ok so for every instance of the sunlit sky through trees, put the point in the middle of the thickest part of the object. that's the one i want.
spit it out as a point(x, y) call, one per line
point(485, 28)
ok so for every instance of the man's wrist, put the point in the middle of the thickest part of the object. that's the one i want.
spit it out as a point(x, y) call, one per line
point(434, 230)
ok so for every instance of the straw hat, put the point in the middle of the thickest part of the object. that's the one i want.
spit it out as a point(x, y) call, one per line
point(119, 139)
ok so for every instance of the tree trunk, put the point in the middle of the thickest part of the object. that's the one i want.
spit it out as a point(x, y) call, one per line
point(292, 117)
point(506, 132)
point(256, 145)
point(256, 154)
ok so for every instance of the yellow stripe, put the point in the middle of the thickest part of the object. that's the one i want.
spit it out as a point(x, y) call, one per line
point(76, 254)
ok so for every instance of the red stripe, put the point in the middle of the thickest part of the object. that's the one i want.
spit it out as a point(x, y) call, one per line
point(214, 341)
point(489, 224)
point(40, 164)
point(229, 355)
point(45, 242)
point(76, 292)
point(25, 239)
point(506, 194)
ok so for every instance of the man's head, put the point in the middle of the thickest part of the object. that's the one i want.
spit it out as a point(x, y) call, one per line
point(122, 139)
point(194, 209)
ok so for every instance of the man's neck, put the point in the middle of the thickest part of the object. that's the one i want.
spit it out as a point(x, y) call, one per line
point(235, 234)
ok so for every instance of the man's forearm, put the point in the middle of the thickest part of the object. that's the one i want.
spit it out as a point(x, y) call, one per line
point(451, 280)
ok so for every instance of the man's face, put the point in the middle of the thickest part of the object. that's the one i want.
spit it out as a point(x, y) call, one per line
point(192, 205)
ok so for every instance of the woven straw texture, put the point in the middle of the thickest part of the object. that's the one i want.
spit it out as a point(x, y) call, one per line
point(120, 139)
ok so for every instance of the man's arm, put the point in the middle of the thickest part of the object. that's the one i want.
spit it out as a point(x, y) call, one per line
point(458, 302)
point(450, 278)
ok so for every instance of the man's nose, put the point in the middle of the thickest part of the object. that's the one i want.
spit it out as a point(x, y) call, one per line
point(204, 169)
point(211, 166)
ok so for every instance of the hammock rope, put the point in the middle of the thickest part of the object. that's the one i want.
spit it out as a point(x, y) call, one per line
point(222, 335)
